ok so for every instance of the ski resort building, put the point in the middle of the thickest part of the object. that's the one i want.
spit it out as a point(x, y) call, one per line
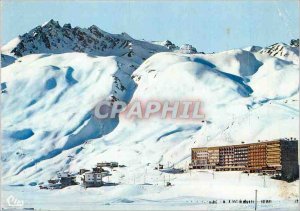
point(92, 179)
point(108, 164)
point(241, 155)
point(200, 157)
point(274, 157)
point(213, 157)
point(64, 180)
point(226, 157)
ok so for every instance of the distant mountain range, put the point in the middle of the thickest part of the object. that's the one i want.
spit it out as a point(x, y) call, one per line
point(53, 38)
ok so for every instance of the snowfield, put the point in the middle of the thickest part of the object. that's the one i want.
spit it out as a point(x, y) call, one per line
point(48, 125)
point(190, 191)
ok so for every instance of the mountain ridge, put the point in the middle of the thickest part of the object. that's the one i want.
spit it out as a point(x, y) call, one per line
point(51, 37)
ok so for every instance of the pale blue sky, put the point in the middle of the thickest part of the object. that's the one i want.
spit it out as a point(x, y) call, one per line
point(208, 25)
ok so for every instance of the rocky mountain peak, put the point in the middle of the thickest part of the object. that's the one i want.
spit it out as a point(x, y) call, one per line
point(283, 51)
point(51, 37)
point(294, 42)
point(51, 23)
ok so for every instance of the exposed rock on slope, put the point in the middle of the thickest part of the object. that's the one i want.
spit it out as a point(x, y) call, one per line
point(283, 51)
point(52, 38)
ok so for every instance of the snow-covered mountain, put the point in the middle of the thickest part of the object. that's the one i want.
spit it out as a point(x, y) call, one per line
point(283, 51)
point(253, 49)
point(60, 73)
point(187, 49)
point(167, 43)
point(53, 38)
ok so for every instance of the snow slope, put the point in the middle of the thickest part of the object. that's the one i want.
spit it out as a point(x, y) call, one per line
point(48, 101)
point(191, 191)
point(48, 123)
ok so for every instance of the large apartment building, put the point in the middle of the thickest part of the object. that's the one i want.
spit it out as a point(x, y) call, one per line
point(277, 156)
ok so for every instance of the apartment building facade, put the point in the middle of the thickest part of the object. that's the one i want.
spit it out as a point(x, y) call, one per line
point(275, 157)
point(213, 157)
point(257, 157)
point(200, 157)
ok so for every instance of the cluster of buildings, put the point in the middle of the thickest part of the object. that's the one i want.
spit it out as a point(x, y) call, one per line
point(94, 177)
point(275, 157)
point(86, 178)
point(64, 179)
